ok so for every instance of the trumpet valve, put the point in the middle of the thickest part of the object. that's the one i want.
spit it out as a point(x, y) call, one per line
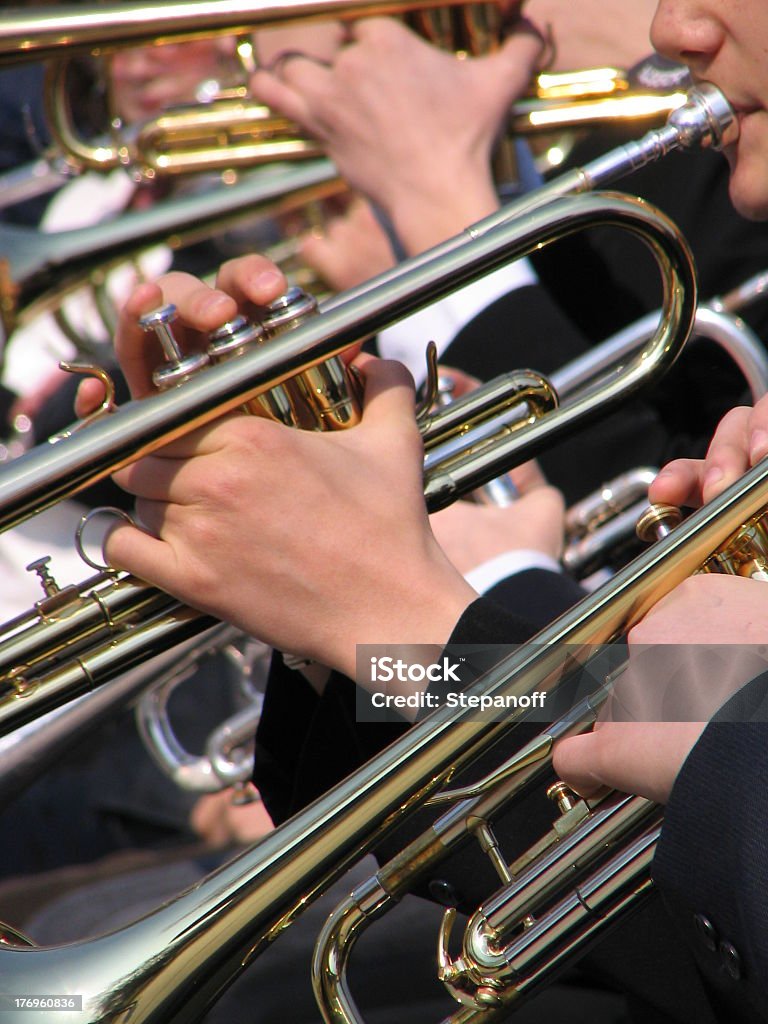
point(177, 367)
point(658, 521)
point(328, 392)
point(745, 553)
point(231, 340)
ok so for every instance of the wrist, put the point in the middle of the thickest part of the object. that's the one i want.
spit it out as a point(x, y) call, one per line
point(426, 617)
point(424, 220)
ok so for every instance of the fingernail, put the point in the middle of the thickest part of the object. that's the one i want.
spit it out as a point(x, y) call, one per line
point(215, 301)
point(268, 281)
point(758, 444)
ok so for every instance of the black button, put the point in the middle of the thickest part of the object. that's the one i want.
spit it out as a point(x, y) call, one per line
point(443, 892)
point(731, 960)
point(706, 931)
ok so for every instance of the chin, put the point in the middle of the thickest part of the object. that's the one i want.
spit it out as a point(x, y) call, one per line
point(749, 187)
point(751, 203)
point(748, 160)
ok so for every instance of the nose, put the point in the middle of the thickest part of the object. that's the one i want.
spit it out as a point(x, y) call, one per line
point(686, 31)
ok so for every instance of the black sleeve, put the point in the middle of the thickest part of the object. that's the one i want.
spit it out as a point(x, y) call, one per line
point(712, 859)
point(306, 743)
point(308, 739)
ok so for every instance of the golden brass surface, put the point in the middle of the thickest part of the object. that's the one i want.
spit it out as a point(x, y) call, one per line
point(170, 965)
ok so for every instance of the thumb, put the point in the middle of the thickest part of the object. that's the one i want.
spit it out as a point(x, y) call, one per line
point(389, 392)
point(573, 760)
point(520, 56)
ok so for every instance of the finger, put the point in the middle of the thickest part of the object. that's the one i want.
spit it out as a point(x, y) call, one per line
point(617, 756)
point(279, 95)
point(573, 761)
point(524, 48)
point(150, 559)
point(206, 440)
point(251, 280)
point(156, 478)
point(375, 30)
point(200, 308)
point(90, 395)
point(131, 339)
point(678, 483)
point(728, 454)
point(321, 40)
point(695, 481)
point(758, 431)
point(389, 392)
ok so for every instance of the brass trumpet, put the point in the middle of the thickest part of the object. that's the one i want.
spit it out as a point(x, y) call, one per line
point(486, 422)
point(172, 964)
point(229, 131)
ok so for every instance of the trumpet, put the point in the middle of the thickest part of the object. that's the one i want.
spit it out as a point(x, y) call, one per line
point(41, 269)
point(229, 131)
point(44, 475)
point(226, 130)
point(171, 964)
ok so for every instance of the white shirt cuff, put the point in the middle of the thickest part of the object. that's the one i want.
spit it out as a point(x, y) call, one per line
point(489, 573)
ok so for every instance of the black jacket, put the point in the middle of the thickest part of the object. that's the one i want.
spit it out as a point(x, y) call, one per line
point(709, 890)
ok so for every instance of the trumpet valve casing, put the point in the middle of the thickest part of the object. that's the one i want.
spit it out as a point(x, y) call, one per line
point(327, 393)
point(231, 340)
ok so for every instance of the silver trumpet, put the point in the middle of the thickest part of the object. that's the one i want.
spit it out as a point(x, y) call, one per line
point(228, 757)
point(171, 964)
point(41, 269)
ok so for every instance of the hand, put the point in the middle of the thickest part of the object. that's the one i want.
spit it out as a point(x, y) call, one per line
point(408, 125)
point(243, 285)
point(321, 40)
point(740, 442)
point(313, 542)
point(220, 823)
point(351, 248)
point(471, 533)
point(694, 650)
point(674, 671)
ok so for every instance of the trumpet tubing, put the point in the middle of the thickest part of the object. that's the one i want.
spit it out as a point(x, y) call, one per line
point(42, 269)
point(42, 477)
point(467, 444)
point(170, 965)
point(593, 868)
point(40, 34)
point(230, 131)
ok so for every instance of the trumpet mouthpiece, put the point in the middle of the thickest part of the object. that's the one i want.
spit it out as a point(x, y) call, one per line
point(705, 119)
